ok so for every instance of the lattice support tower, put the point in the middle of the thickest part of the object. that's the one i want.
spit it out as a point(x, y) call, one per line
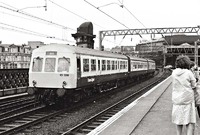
point(169, 30)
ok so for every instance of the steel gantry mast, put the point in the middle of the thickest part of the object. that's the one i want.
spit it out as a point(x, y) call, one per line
point(169, 30)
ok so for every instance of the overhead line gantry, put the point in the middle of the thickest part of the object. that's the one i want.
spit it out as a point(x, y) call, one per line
point(169, 30)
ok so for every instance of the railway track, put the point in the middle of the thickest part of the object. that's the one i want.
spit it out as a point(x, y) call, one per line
point(19, 121)
point(17, 106)
point(13, 123)
point(11, 103)
point(92, 123)
point(11, 108)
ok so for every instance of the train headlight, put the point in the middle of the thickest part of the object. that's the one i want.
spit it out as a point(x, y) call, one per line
point(34, 83)
point(64, 84)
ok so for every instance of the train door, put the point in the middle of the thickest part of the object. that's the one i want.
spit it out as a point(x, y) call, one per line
point(78, 67)
point(129, 64)
point(99, 67)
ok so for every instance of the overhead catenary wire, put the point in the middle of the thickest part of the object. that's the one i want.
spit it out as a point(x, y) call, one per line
point(122, 6)
point(26, 31)
point(131, 13)
point(107, 14)
point(72, 12)
point(38, 18)
point(35, 33)
point(20, 17)
point(133, 16)
point(13, 9)
point(35, 17)
point(77, 16)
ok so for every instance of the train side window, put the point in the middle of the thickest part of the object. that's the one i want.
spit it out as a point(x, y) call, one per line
point(108, 64)
point(37, 64)
point(93, 65)
point(50, 64)
point(85, 65)
point(132, 65)
point(118, 65)
point(123, 65)
point(136, 65)
point(126, 65)
point(103, 62)
point(113, 65)
point(63, 64)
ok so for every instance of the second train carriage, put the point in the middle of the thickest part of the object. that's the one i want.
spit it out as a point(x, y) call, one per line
point(57, 70)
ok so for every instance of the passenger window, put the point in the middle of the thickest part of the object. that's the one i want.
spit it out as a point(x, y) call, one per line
point(85, 65)
point(108, 64)
point(126, 65)
point(37, 64)
point(93, 65)
point(121, 64)
point(63, 64)
point(50, 64)
point(113, 65)
point(103, 65)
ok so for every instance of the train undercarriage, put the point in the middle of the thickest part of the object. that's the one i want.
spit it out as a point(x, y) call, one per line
point(50, 96)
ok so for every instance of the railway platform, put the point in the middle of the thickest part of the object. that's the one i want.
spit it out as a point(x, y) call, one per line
point(148, 115)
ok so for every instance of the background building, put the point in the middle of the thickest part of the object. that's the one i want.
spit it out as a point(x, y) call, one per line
point(128, 50)
point(17, 56)
point(165, 50)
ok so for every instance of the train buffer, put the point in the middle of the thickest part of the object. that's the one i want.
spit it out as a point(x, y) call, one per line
point(150, 115)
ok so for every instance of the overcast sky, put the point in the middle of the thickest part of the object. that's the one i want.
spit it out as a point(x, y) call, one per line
point(18, 18)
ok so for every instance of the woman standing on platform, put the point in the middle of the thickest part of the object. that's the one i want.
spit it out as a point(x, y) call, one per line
point(183, 84)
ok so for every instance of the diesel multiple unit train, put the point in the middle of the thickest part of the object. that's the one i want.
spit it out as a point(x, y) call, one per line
point(59, 71)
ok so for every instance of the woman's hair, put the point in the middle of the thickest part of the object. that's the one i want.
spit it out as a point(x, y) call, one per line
point(183, 62)
point(192, 64)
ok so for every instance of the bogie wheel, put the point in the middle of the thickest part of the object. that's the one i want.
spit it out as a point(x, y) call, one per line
point(76, 97)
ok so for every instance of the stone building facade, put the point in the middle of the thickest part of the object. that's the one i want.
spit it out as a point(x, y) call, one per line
point(17, 56)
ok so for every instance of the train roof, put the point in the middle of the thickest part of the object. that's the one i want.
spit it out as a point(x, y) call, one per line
point(137, 58)
point(78, 50)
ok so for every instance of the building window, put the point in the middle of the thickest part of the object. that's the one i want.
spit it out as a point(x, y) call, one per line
point(6, 49)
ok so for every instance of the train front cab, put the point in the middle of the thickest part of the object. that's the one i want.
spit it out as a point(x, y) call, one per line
point(52, 73)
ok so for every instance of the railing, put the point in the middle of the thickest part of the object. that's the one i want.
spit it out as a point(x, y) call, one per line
point(13, 78)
